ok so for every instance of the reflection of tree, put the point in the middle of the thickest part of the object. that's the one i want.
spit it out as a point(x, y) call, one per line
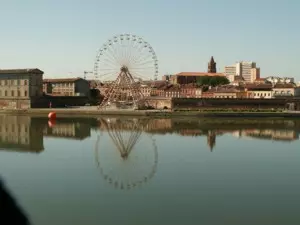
point(136, 162)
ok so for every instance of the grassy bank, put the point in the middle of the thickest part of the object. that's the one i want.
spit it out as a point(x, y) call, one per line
point(152, 113)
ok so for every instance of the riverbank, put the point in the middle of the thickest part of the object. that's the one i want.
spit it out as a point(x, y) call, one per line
point(66, 112)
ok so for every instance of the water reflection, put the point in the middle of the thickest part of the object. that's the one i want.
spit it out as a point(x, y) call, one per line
point(135, 161)
point(26, 134)
point(20, 133)
point(243, 179)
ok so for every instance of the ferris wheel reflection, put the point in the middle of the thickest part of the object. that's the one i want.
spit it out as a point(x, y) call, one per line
point(130, 158)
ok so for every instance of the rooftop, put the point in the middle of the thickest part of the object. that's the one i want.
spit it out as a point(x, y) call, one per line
point(199, 74)
point(259, 86)
point(62, 80)
point(20, 71)
point(226, 89)
point(283, 85)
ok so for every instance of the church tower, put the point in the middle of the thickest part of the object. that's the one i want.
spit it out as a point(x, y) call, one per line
point(212, 66)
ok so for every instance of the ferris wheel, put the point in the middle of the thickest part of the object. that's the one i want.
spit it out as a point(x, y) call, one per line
point(129, 53)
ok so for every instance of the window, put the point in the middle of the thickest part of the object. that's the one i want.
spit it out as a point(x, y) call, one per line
point(19, 93)
point(12, 93)
point(5, 93)
point(0, 93)
point(25, 93)
point(25, 82)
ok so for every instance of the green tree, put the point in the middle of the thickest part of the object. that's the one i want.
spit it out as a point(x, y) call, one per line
point(212, 81)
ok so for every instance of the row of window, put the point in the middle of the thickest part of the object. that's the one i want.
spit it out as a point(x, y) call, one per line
point(62, 84)
point(13, 93)
point(63, 93)
point(13, 82)
point(223, 96)
point(14, 128)
point(262, 94)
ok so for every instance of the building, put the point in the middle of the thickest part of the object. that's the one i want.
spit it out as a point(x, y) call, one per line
point(226, 91)
point(19, 88)
point(230, 72)
point(238, 81)
point(212, 66)
point(259, 90)
point(260, 81)
point(274, 80)
point(66, 87)
point(247, 70)
point(244, 70)
point(191, 77)
point(190, 91)
point(255, 74)
point(286, 90)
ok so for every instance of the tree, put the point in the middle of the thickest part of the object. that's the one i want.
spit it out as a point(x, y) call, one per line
point(212, 81)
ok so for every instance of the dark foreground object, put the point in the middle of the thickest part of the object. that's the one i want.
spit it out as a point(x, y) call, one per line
point(10, 212)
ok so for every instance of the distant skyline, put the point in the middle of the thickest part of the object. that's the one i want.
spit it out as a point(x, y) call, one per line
point(62, 37)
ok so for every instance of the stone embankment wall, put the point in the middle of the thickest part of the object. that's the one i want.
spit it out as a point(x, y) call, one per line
point(196, 103)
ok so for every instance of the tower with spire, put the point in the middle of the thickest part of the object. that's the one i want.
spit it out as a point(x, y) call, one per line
point(212, 66)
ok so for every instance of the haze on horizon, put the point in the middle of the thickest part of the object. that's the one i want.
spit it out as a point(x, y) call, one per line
point(62, 37)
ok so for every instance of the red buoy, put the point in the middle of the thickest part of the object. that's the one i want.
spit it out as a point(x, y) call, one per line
point(52, 115)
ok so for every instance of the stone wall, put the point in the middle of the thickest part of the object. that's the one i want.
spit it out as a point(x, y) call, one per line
point(229, 103)
point(14, 103)
point(160, 103)
point(59, 101)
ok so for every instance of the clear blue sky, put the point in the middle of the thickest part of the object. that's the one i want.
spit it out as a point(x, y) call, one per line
point(62, 36)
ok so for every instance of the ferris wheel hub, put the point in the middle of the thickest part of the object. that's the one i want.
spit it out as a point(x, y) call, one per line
point(124, 69)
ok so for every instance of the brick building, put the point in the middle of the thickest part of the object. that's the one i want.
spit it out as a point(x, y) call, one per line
point(225, 91)
point(19, 88)
point(191, 77)
point(66, 87)
point(259, 90)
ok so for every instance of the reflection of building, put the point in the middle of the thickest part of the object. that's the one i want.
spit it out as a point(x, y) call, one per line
point(66, 87)
point(20, 87)
point(272, 134)
point(20, 133)
point(68, 128)
point(211, 140)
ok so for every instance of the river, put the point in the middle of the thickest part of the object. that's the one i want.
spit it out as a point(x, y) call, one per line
point(152, 171)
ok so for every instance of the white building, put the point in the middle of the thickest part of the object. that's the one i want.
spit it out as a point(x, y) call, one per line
point(284, 80)
point(247, 70)
point(230, 72)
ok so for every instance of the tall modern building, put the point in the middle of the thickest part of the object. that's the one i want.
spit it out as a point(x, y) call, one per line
point(244, 70)
point(247, 70)
point(255, 74)
point(230, 72)
point(212, 66)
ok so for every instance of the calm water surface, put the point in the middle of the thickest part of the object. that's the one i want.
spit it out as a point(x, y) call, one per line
point(153, 171)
